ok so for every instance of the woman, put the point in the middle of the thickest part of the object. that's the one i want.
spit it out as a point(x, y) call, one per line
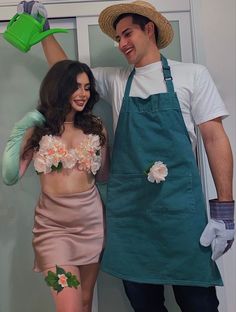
point(69, 148)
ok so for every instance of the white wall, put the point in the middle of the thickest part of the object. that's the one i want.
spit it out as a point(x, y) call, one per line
point(215, 34)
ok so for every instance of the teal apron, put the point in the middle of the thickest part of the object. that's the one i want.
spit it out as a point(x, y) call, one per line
point(153, 230)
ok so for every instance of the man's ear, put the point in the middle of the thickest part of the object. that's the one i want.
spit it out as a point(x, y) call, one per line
point(150, 29)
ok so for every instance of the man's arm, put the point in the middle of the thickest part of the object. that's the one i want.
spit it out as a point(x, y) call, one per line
point(220, 157)
point(53, 51)
point(219, 232)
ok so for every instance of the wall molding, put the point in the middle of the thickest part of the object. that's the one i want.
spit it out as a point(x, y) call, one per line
point(74, 8)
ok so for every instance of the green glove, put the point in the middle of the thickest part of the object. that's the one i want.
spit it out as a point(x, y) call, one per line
point(11, 154)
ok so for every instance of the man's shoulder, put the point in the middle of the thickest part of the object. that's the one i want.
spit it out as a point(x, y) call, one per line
point(112, 71)
point(186, 66)
point(192, 71)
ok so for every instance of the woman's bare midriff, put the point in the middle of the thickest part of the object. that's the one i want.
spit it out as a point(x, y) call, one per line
point(67, 181)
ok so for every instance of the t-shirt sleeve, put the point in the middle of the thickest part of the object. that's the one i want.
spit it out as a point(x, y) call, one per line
point(206, 103)
point(110, 83)
point(104, 77)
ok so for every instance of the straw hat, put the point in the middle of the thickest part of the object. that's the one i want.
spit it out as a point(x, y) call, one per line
point(108, 16)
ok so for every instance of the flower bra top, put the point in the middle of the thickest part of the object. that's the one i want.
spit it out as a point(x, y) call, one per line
point(53, 155)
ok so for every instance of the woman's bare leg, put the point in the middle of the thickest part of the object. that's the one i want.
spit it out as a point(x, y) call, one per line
point(88, 275)
point(69, 299)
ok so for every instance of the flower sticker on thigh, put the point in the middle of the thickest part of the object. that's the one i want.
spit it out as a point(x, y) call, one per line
point(60, 279)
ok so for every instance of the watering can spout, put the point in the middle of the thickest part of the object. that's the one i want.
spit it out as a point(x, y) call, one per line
point(40, 36)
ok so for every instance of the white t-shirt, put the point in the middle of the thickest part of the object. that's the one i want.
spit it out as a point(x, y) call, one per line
point(198, 97)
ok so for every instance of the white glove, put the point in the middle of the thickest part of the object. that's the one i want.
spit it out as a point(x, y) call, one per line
point(216, 234)
point(220, 230)
point(34, 8)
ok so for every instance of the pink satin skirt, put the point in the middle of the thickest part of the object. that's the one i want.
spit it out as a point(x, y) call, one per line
point(68, 229)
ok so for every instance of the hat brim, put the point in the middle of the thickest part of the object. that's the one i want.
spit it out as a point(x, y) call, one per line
point(109, 15)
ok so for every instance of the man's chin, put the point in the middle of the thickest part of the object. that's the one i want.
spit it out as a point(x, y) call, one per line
point(130, 61)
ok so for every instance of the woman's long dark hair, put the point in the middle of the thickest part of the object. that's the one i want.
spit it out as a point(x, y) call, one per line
point(54, 103)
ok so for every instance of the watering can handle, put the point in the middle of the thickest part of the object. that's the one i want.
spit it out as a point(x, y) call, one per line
point(43, 19)
point(12, 20)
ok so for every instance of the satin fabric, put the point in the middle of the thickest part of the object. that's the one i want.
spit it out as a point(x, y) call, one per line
point(68, 229)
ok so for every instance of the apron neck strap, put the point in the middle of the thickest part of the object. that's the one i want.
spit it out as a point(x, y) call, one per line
point(128, 84)
point(167, 75)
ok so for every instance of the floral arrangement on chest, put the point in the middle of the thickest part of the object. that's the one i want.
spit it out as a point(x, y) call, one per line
point(54, 154)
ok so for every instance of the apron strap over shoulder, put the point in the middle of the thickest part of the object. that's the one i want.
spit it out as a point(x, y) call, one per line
point(167, 75)
point(128, 84)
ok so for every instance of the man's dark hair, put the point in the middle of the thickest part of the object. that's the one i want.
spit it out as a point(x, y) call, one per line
point(138, 20)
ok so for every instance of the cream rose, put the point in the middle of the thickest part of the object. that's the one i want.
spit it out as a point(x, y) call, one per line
point(157, 172)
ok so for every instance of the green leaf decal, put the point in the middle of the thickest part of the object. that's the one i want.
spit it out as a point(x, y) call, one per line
point(52, 279)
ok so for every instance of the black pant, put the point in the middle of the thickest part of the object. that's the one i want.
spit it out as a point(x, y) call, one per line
point(150, 298)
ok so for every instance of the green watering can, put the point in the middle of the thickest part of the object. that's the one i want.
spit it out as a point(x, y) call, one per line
point(23, 31)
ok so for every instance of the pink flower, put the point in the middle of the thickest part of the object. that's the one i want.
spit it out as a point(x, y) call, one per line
point(41, 165)
point(157, 172)
point(69, 160)
point(53, 153)
point(46, 143)
point(62, 280)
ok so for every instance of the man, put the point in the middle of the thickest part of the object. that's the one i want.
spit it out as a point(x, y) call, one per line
point(156, 216)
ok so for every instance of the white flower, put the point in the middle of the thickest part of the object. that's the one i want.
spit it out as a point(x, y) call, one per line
point(96, 164)
point(62, 280)
point(94, 141)
point(157, 172)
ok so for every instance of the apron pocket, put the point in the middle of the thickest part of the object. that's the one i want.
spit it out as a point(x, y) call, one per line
point(125, 195)
point(172, 197)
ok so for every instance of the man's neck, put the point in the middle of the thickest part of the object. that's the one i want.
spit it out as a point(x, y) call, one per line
point(152, 57)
